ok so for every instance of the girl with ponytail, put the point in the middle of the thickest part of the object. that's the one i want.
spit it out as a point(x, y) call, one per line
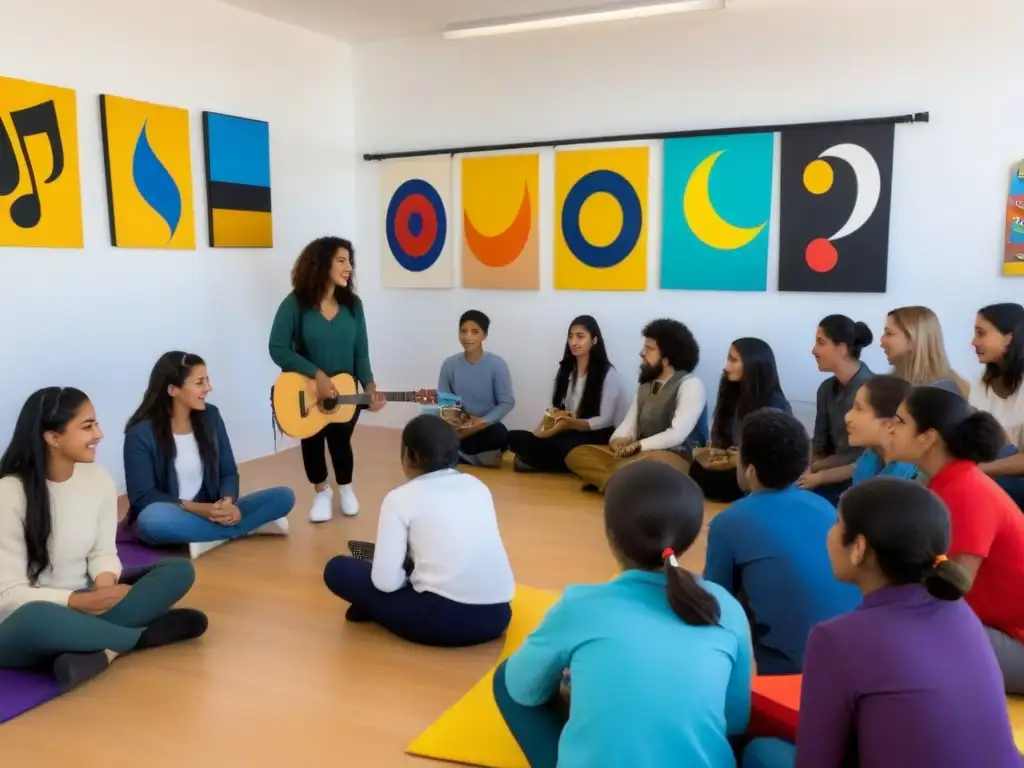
point(909, 677)
point(660, 660)
point(947, 438)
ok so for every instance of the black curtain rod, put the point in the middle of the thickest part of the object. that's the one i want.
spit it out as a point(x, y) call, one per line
point(917, 117)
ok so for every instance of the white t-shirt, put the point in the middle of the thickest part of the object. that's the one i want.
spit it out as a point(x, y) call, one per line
point(82, 545)
point(188, 466)
point(1008, 411)
point(445, 521)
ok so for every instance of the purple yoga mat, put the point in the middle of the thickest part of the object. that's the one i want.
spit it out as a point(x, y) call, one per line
point(21, 691)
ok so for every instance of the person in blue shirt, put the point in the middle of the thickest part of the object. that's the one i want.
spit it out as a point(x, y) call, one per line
point(869, 424)
point(481, 380)
point(768, 549)
point(659, 661)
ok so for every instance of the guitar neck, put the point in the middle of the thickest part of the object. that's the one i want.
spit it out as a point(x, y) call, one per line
point(364, 398)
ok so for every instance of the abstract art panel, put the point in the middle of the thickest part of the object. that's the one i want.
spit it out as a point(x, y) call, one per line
point(1013, 256)
point(238, 181)
point(717, 205)
point(601, 219)
point(40, 187)
point(149, 174)
point(500, 241)
point(416, 200)
point(836, 191)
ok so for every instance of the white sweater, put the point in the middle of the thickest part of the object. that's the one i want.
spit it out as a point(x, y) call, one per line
point(445, 521)
point(1008, 411)
point(82, 546)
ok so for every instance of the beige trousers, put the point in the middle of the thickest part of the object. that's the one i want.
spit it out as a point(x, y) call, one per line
point(595, 464)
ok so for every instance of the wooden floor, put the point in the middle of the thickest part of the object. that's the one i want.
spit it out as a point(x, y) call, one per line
point(280, 678)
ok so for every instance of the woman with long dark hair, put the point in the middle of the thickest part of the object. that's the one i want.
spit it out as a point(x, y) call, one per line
point(907, 678)
point(585, 403)
point(750, 381)
point(999, 344)
point(179, 469)
point(947, 438)
point(320, 331)
point(65, 603)
point(619, 646)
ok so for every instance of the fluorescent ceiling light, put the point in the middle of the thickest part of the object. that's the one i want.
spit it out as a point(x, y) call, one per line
point(513, 24)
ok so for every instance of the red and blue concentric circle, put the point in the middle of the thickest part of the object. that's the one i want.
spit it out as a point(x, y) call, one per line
point(616, 185)
point(416, 225)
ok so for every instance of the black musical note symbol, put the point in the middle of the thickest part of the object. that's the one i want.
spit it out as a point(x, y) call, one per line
point(38, 120)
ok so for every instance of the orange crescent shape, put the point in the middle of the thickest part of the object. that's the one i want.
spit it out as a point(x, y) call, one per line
point(502, 249)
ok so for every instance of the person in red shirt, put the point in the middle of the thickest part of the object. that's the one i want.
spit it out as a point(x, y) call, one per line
point(947, 438)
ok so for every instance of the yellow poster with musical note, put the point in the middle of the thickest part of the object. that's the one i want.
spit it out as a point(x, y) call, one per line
point(40, 188)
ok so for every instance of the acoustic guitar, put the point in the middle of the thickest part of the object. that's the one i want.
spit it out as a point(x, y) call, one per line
point(300, 413)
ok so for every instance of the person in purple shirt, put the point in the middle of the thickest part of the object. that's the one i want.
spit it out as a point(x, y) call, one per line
point(909, 678)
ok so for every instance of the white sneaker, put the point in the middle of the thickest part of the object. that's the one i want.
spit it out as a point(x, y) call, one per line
point(277, 527)
point(349, 502)
point(198, 548)
point(323, 506)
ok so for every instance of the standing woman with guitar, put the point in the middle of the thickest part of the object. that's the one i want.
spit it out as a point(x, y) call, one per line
point(319, 331)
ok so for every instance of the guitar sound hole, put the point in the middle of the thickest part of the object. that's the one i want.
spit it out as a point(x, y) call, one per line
point(328, 405)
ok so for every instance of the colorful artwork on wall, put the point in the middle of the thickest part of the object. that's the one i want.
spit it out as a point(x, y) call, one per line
point(1013, 256)
point(601, 219)
point(415, 198)
point(40, 188)
point(716, 207)
point(836, 190)
point(238, 181)
point(500, 239)
point(149, 174)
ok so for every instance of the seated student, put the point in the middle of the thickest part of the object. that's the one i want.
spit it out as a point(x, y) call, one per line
point(749, 381)
point(64, 602)
point(585, 402)
point(999, 343)
point(460, 586)
point(180, 473)
point(483, 382)
point(869, 426)
point(667, 420)
point(908, 679)
point(837, 347)
point(766, 548)
point(947, 438)
point(913, 345)
point(658, 660)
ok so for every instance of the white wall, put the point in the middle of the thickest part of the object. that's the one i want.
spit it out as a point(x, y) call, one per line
point(98, 318)
point(759, 62)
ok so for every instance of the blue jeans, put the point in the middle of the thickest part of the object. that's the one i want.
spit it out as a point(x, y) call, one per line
point(165, 523)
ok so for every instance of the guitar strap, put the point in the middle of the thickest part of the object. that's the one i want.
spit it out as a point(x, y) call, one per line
point(299, 346)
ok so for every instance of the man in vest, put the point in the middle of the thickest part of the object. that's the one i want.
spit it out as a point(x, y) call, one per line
point(668, 418)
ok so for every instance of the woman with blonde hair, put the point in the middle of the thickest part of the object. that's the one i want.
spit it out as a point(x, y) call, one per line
point(913, 345)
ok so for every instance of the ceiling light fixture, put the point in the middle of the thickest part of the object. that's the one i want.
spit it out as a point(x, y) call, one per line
point(621, 12)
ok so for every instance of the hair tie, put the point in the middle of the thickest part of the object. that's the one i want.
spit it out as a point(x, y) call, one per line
point(669, 555)
point(939, 560)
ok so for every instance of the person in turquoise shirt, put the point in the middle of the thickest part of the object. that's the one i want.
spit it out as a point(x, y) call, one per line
point(869, 424)
point(659, 661)
point(768, 548)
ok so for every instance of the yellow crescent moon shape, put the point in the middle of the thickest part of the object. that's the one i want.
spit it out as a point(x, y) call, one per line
point(704, 221)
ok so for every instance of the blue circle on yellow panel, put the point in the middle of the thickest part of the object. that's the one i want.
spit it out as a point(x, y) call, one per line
point(416, 225)
point(615, 252)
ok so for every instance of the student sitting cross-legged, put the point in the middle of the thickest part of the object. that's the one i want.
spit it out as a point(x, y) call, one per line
point(65, 603)
point(483, 382)
point(907, 679)
point(180, 473)
point(657, 662)
point(869, 426)
point(667, 420)
point(584, 404)
point(766, 548)
point(440, 575)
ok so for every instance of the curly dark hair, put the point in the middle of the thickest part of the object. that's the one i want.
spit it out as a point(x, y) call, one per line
point(776, 445)
point(312, 273)
point(675, 342)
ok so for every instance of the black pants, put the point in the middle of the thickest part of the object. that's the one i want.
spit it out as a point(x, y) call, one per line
point(339, 442)
point(547, 454)
point(719, 485)
point(493, 438)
